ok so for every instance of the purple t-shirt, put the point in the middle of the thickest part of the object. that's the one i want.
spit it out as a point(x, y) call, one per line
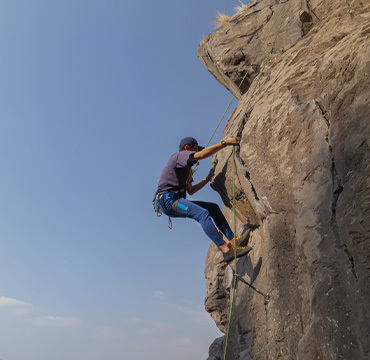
point(176, 173)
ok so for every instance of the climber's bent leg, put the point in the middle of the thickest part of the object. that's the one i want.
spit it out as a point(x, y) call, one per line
point(218, 217)
point(203, 216)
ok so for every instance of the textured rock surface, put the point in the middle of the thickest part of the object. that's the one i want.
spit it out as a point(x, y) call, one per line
point(302, 180)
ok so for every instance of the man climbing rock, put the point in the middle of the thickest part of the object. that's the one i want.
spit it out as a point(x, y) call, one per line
point(176, 180)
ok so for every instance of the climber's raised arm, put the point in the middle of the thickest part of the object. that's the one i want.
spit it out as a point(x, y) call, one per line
point(211, 150)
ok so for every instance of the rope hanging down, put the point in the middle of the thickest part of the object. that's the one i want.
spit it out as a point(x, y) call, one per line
point(266, 297)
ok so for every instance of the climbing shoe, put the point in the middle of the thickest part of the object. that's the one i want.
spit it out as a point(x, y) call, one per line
point(242, 240)
point(230, 255)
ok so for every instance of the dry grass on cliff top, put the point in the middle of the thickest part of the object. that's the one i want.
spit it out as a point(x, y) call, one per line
point(239, 9)
point(223, 18)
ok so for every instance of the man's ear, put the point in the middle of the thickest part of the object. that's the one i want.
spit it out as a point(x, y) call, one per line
point(187, 147)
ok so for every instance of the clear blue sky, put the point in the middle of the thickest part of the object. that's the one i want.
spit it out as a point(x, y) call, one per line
point(94, 98)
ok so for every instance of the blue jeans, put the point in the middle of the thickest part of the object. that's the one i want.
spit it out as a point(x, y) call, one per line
point(207, 214)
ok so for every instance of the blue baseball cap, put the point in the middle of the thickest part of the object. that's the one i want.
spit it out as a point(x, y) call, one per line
point(190, 141)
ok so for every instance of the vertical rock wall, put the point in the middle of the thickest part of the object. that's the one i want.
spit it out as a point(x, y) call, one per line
point(302, 180)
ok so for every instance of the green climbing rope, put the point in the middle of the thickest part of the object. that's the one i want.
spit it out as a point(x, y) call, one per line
point(195, 168)
point(235, 261)
point(257, 81)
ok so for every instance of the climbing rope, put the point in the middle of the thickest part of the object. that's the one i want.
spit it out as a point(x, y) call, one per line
point(266, 297)
point(235, 261)
point(195, 168)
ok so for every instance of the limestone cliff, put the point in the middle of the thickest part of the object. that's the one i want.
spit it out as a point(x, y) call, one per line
point(302, 179)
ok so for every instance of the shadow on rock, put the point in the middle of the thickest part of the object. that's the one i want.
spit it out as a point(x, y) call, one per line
point(245, 266)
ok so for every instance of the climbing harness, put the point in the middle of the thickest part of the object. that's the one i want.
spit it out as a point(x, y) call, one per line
point(172, 198)
point(158, 210)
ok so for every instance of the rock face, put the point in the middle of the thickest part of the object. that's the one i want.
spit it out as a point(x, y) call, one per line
point(302, 180)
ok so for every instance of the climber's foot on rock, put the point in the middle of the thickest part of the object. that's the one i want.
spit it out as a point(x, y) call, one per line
point(230, 255)
point(225, 247)
point(243, 239)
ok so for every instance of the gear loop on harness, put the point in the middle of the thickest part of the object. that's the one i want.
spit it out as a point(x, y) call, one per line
point(157, 208)
point(166, 203)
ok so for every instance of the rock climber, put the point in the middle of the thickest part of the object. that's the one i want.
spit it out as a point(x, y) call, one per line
point(176, 180)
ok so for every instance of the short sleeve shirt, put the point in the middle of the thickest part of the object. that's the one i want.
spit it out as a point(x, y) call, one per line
point(175, 173)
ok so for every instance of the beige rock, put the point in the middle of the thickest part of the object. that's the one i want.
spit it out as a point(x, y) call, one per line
point(302, 179)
